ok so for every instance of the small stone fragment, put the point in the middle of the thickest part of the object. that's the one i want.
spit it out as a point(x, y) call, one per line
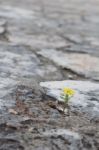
point(12, 111)
point(13, 125)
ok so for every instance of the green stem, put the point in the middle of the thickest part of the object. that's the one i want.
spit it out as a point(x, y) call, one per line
point(66, 99)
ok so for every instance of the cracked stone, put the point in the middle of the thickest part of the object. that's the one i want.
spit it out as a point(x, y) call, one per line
point(86, 98)
point(80, 63)
point(64, 25)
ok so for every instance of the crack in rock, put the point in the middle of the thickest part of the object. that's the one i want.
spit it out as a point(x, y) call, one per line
point(82, 100)
point(80, 63)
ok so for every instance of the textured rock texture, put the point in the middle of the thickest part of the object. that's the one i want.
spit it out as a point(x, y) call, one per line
point(82, 64)
point(42, 40)
point(85, 98)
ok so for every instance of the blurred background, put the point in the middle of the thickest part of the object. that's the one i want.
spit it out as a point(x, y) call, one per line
point(49, 39)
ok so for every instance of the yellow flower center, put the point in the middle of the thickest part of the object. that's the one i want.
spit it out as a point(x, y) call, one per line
point(68, 91)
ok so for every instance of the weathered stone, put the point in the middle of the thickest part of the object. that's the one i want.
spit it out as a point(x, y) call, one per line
point(51, 24)
point(85, 98)
point(70, 137)
point(41, 41)
point(2, 30)
point(27, 26)
point(14, 12)
point(61, 132)
point(82, 64)
point(19, 65)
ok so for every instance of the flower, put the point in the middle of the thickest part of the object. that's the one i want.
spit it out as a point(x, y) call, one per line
point(66, 95)
point(68, 91)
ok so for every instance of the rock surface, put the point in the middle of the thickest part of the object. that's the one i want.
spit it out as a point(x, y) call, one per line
point(85, 98)
point(29, 29)
point(82, 64)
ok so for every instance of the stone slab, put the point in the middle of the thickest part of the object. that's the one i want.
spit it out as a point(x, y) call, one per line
point(86, 98)
point(80, 63)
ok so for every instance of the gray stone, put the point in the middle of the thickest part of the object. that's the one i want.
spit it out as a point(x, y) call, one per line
point(86, 97)
point(26, 27)
point(19, 65)
point(63, 132)
point(82, 64)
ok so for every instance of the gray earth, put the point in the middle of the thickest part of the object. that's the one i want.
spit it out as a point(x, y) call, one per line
point(47, 40)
